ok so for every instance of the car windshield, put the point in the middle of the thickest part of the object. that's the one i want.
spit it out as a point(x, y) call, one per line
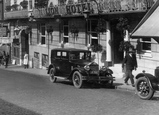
point(80, 55)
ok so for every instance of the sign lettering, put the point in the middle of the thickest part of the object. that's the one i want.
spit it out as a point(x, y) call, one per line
point(105, 6)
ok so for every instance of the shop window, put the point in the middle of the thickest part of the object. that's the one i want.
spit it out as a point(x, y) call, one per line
point(41, 37)
point(146, 44)
point(66, 31)
point(44, 60)
point(146, 47)
point(36, 55)
point(93, 35)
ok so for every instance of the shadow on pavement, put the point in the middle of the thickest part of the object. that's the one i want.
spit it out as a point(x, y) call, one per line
point(87, 85)
point(7, 108)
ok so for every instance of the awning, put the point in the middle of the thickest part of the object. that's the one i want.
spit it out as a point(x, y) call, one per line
point(149, 25)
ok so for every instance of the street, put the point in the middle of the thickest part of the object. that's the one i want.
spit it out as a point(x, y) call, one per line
point(38, 94)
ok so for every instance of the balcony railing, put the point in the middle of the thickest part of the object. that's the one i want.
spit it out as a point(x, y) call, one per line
point(16, 14)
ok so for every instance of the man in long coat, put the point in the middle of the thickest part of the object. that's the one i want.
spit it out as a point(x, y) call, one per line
point(131, 64)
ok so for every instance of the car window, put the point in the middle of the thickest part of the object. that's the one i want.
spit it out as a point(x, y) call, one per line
point(64, 56)
point(58, 55)
point(80, 55)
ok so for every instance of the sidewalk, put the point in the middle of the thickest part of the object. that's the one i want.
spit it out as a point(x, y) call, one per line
point(117, 73)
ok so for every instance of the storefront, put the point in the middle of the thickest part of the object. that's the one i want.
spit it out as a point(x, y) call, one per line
point(20, 40)
point(70, 27)
point(145, 37)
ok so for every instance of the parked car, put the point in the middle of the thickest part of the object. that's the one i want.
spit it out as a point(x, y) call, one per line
point(76, 66)
point(147, 84)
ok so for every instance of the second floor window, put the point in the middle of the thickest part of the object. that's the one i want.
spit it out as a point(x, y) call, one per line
point(93, 35)
point(41, 34)
point(66, 31)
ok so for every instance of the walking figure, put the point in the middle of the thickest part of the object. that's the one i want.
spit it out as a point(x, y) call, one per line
point(6, 59)
point(25, 60)
point(131, 64)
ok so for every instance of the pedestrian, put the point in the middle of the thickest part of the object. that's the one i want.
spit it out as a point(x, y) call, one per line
point(131, 64)
point(6, 58)
point(25, 62)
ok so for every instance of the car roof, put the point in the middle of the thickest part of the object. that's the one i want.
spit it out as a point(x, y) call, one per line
point(68, 49)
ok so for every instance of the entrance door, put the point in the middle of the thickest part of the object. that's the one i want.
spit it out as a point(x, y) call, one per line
point(24, 43)
point(117, 38)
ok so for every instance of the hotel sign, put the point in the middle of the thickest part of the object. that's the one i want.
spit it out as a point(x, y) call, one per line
point(106, 6)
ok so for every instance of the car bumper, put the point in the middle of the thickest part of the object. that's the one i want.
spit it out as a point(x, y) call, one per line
point(98, 78)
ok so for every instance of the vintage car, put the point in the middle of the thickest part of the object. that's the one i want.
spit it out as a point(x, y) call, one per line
point(147, 84)
point(76, 66)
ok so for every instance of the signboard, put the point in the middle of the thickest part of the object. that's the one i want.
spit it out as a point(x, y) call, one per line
point(3, 31)
point(106, 6)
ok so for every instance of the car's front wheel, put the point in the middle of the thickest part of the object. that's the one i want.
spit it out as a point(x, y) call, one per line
point(143, 89)
point(52, 75)
point(77, 79)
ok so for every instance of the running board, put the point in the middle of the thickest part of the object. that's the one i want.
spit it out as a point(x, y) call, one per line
point(61, 78)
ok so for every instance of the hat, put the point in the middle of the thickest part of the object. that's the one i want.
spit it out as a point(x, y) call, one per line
point(131, 50)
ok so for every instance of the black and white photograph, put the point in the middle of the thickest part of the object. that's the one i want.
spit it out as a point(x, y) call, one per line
point(79, 57)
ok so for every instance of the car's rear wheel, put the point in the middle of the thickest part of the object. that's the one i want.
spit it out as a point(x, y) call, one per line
point(77, 79)
point(52, 75)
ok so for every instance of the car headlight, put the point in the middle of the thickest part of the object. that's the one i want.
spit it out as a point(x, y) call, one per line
point(86, 67)
point(103, 68)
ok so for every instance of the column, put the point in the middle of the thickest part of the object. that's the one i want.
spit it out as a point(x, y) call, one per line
point(108, 43)
point(126, 38)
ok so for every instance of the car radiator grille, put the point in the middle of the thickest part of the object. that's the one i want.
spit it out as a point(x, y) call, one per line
point(94, 69)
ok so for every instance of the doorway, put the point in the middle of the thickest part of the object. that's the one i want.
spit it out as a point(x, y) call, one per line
point(24, 43)
point(117, 38)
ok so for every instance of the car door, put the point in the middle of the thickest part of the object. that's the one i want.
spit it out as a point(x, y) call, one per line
point(57, 62)
point(65, 65)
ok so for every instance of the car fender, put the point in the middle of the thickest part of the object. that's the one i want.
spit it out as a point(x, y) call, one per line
point(82, 71)
point(151, 79)
point(50, 66)
point(106, 72)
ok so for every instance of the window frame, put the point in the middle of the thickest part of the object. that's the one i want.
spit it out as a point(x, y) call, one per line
point(41, 35)
point(66, 37)
point(91, 31)
point(146, 52)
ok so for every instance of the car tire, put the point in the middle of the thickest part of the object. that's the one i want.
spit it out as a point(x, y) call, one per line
point(143, 89)
point(52, 75)
point(77, 80)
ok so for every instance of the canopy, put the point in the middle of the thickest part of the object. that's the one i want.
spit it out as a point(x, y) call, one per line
point(149, 25)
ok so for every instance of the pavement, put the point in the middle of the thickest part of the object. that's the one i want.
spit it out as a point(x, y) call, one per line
point(117, 73)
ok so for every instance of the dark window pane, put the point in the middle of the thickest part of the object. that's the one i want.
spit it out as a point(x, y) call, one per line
point(94, 34)
point(65, 40)
point(42, 40)
point(66, 31)
point(94, 25)
point(94, 41)
point(43, 30)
